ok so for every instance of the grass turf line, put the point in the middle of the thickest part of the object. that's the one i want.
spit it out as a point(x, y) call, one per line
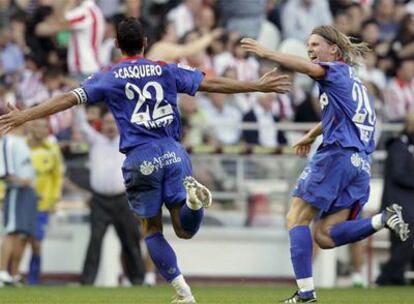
point(211, 294)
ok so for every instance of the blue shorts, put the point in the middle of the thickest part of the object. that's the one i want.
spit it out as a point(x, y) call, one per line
point(41, 224)
point(20, 210)
point(154, 174)
point(336, 178)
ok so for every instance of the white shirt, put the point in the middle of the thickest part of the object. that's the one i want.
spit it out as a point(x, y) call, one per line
point(105, 160)
point(225, 123)
point(87, 24)
point(182, 18)
point(299, 20)
point(267, 133)
point(399, 99)
point(15, 157)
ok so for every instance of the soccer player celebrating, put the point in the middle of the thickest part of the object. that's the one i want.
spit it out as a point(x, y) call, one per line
point(142, 96)
point(335, 184)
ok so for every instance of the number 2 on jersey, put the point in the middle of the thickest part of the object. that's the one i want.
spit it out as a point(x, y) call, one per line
point(364, 117)
point(160, 116)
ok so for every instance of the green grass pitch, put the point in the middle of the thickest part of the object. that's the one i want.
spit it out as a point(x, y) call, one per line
point(205, 294)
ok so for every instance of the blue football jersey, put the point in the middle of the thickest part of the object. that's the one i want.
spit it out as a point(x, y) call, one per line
point(142, 96)
point(348, 113)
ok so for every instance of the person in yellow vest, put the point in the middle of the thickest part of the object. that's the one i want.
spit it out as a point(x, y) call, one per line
point(48, 164)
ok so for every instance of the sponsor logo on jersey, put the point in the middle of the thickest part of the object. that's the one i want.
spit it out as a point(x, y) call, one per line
point(167, 159)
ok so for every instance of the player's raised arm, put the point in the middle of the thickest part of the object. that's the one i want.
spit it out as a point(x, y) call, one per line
point(53, 105)
point(291, 62)
point(269, 82)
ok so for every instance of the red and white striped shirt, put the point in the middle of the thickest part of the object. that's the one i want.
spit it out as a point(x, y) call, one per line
point(399, 99)
point(87, 25)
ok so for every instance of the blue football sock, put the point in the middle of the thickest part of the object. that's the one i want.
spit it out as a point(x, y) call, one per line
point(351, 231)
point(301, 255)
point(163, 256)
point(191, 219)
point(34, 270)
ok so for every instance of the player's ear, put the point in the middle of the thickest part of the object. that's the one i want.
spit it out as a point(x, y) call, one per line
point(116, 43)
point(334, 50)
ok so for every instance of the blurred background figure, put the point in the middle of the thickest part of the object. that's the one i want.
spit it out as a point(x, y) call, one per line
point(20, 204)
point(109, 204)
point(301, 16)
point(399, 94)
point(399, 187)
point(48, 165)
point(85, 21)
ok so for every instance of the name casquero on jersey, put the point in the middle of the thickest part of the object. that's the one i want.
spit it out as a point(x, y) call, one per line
point(142, 96)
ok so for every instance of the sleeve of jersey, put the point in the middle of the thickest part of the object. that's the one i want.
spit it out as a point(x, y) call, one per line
point(91, 90)
point(331, 69)
point(187, 79)
point(77, 18)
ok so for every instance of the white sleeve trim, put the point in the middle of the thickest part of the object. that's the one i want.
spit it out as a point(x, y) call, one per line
point(80, 95)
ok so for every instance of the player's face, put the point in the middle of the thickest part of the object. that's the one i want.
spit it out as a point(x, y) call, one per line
point(319, 50)
point(39, 129)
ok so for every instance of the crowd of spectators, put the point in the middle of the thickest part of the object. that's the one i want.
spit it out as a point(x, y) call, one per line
point(48, 47)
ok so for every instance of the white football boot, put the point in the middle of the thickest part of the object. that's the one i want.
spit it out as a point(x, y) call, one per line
point(183, 300)
point(198, 195)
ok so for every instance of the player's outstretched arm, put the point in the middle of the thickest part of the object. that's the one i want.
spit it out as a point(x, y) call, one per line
point(17, 117)
point(291, 62)
point(269, 82)
point(302, 147)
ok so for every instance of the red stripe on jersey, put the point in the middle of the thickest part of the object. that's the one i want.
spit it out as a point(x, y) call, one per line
point(77, 20)
point(355, 211)
point(76, 52)
point(95, 36)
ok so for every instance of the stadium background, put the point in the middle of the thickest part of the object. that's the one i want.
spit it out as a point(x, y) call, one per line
point(240, 145)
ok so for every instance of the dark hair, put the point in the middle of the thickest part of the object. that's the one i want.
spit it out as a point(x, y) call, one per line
point(130, 36)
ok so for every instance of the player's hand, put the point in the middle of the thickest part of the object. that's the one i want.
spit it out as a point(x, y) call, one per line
point(253, 46)
point(11, 120)
point(272, 82)
point(303, 146)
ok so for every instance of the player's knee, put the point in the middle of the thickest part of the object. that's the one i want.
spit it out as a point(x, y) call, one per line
point(323, 239)
point(182, 234)
point(291, 221)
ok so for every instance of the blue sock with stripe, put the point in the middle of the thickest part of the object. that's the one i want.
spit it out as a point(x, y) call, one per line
point(301, 255)
point(163, 256)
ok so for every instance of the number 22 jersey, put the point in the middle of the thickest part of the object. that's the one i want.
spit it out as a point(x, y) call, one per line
point(348, 114)
point(142, 96)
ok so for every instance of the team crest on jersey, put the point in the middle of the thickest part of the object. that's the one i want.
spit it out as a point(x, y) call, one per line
point(356, 160)
point(323, 99)
point(146, 168)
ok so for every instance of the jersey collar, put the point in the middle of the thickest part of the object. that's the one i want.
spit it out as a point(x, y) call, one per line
point(130, 58)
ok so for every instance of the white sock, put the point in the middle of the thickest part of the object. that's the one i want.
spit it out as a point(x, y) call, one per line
point(306, 284)
point(377, 222)
point(150, 278)
point(181, 286)
point(5, 275)
point(356, 278)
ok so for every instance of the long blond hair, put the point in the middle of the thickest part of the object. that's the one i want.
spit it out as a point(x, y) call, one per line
point(348, 51)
